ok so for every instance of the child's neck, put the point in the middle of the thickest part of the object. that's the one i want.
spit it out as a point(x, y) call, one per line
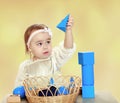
point(35, 58)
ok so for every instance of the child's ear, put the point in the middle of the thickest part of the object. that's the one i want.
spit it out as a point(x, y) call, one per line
point(29, 49)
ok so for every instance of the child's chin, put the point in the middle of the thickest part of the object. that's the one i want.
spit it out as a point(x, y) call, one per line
point(45, 57)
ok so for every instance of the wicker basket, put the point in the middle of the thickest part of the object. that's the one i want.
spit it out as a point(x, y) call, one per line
point(36, 85)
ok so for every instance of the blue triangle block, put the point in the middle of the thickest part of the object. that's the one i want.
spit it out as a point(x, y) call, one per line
point(62, 25)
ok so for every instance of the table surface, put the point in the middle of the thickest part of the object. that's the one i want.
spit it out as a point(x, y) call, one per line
point(100, 97)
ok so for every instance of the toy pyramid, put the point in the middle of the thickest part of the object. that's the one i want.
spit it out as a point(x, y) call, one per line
point(62, 25)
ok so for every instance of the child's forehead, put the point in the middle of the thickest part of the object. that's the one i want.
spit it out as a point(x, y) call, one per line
point(42, 40)
point(41, 37)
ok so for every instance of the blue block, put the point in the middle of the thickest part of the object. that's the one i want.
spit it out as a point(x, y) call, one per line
point(87, 75)
point(62, 25)
point(19, 91)
point(88, 92)
point(86, 58)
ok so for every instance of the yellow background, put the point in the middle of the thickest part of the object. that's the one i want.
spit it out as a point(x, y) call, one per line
point(96, 28)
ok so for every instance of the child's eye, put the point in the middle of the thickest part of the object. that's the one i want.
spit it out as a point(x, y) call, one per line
point(39, 44)
point(48, 42)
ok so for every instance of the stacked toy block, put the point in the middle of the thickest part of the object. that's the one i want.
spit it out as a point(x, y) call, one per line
point(86, 60)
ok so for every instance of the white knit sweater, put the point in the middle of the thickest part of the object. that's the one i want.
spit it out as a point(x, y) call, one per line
point(47, 66)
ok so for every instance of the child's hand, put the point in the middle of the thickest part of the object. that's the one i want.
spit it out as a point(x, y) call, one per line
point(70, 23)
point(68, 41)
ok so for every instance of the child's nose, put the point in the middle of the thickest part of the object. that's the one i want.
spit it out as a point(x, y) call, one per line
point(45, 45)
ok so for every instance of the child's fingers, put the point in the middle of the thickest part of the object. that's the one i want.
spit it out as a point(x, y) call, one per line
point(69, 25)
point(70, 18)
point(70, 22)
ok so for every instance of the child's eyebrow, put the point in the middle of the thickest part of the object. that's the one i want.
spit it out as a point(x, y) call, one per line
point(43, 40)
point(49, 39)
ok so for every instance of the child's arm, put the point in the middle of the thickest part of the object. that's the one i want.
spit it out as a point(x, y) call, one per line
point(21, 75)
point(68, 41)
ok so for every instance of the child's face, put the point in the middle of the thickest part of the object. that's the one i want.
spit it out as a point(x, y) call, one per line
point(41, 46)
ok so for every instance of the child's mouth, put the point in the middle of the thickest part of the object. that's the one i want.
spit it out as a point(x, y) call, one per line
point(45, 52)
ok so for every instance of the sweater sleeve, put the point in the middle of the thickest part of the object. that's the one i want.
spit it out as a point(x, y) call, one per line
point(21, 75)
point(62, 55)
